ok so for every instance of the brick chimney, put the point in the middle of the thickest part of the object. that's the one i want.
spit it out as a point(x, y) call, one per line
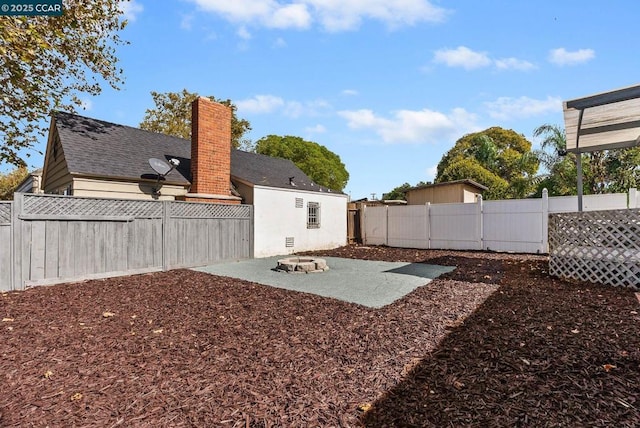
point(210, 153)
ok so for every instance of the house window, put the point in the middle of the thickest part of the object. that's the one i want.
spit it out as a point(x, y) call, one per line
point(67, 190)
point(313, 215)
point(299, 203)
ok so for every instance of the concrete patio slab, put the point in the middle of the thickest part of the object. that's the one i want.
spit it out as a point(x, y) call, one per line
point(369, 283)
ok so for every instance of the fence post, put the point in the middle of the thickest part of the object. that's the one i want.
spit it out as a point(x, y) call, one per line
point(16, 242)
point(428, 222)
point(545, 221)
point(166, 215)
point(386, 225)
point(480, 223)
point(632, 198)
point(363, 225)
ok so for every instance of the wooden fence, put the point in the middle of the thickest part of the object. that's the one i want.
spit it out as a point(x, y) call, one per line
point(49, 239)
point(518, 225)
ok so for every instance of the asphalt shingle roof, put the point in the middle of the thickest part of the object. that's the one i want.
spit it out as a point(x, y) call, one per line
point(97, 148)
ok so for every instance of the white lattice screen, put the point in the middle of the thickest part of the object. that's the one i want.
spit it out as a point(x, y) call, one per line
point(596, 246)
point(197, 210)
point(5, 212)
point(75, 206)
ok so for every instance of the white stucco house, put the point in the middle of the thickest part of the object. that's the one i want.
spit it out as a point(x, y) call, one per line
point(90, 157)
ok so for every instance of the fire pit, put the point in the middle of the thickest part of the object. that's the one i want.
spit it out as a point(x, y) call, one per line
point(302, 265)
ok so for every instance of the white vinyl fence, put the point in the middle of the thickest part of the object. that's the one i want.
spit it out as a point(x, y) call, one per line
point(518, 225)
point(47, 239)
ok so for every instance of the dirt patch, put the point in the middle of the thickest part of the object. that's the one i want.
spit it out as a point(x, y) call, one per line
point(184, 348)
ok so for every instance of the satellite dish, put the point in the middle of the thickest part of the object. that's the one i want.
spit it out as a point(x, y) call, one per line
point(160, 166)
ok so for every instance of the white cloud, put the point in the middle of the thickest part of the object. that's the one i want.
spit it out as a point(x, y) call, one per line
point(296, 109)
point(469, 59)
point(130, 9)
point(292, 15)
point(268, 13)
point(243, 33)
point(186, 22)
point(350, 92)
point(413, 126)
point(341, 15)
point(463, 57)
point(513, 64)
point(317, 129)
point(260, 104)
point(332, 15)
point(563, 57)
point(505, 108)
point(265, 104)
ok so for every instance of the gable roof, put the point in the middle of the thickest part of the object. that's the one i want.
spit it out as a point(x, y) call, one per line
point(98, 148)
point(268, 171)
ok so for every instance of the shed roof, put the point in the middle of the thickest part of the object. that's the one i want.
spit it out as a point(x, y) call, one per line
point(449, 183)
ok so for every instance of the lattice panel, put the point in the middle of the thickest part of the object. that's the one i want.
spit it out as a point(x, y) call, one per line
point(5, 212)
point(596, 246)
point(198, 210)
point(75, 206)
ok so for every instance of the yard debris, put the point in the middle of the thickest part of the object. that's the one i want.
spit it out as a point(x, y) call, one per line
point(77, 396)
point(364, 407)
point(7, 320)
point(607, 367)
point(48, 374)
point(108, 314)
point(157, 331)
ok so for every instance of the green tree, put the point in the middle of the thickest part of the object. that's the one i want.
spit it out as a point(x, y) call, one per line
point(321, 165)
point(11, 180)
point(398, 193)
point(498, 158)
point(49, 63)
point(559, 176)
point(603, 171)
point(172, 116)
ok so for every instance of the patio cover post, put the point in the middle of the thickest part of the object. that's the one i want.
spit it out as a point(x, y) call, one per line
point(579, 162)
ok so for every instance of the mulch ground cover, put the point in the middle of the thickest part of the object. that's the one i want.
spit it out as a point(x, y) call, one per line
point(497, 342)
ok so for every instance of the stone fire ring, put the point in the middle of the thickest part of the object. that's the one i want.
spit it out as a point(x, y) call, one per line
point(302, 265)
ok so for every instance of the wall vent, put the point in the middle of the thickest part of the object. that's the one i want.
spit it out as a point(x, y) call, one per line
point(288, 241)
point(299, 203)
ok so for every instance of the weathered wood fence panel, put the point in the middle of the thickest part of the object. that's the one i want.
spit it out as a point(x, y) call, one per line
point(198, 234)
point(6, 247)
point(62, 238)
point(597, 246)
point(375, 225)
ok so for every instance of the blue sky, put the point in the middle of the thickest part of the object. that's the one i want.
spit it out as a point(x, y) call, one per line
point(388, 85)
